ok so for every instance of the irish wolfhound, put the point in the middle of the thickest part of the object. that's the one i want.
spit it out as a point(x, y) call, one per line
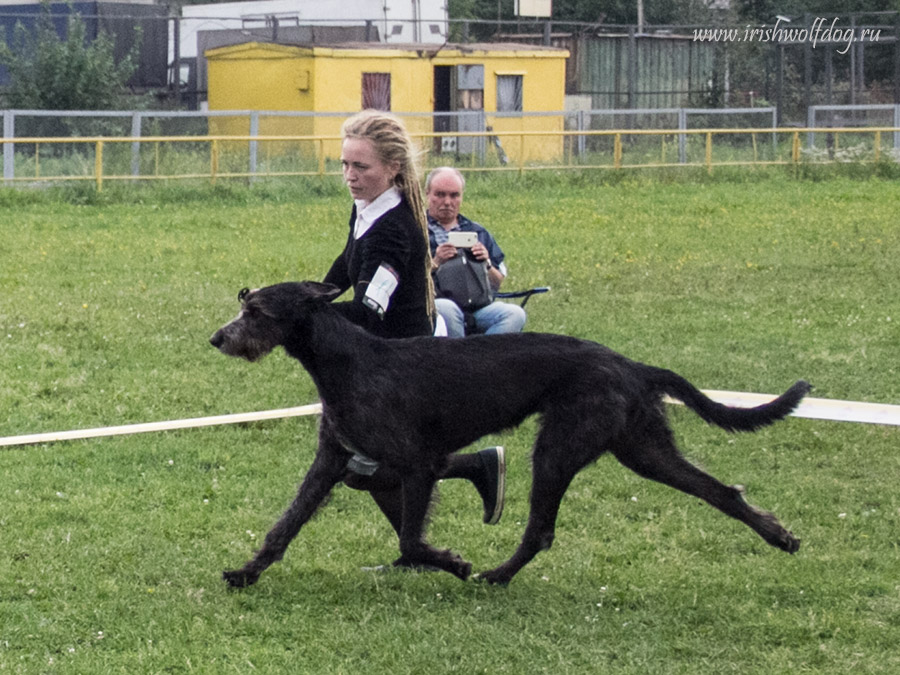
point(408, 404)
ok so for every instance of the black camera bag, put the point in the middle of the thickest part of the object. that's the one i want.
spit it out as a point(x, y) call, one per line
point(464, 280)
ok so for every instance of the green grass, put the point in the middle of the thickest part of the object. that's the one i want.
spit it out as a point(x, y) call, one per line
point(111, 549)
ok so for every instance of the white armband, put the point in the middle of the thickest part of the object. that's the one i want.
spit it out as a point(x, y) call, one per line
point(380, 289)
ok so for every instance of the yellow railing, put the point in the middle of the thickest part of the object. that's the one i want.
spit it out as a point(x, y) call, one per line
point(252, 157)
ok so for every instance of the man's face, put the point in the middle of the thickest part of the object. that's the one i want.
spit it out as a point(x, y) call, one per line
point(445, 198)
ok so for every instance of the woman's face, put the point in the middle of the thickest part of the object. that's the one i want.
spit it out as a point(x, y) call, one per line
point(365, 174)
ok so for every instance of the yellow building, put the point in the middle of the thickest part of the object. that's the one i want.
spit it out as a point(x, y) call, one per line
point(492, 84)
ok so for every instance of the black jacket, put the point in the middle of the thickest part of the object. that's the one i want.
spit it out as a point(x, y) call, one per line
point(394, 240)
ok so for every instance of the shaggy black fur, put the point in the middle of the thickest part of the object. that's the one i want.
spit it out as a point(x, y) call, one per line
point(410, 403)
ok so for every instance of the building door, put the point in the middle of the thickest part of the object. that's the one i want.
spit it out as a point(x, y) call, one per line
point(470, 105)
point(443, 108)
point(458, 106)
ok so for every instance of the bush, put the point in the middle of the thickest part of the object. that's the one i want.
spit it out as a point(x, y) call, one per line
point(50, 72)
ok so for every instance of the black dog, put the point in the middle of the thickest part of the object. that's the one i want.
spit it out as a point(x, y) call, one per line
point(408, 404)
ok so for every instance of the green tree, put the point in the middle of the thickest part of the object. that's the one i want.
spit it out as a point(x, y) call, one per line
point(763, 11)
point(588, 11)
point(48, 72)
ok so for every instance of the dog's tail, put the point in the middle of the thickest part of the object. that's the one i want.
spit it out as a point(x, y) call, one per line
point(729, 417)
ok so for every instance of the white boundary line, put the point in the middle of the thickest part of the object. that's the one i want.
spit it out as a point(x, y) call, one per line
point(812, 408)
point(170, 425)
point(816, 408)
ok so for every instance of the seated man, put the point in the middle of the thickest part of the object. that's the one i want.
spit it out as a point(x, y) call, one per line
point(444, 190)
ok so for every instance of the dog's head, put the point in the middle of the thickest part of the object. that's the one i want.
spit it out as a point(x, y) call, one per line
point(267, 316)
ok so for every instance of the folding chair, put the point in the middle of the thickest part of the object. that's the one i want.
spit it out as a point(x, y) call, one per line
point(525, 295)
point(510, 295)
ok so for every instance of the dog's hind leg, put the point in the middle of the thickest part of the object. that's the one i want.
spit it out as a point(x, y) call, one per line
point(391, 504)
point(655, 456)
point(385, 488)
point(414, 550)
point(555, 462)
point(326, 471)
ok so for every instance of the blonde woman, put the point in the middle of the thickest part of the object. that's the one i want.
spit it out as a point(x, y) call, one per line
point(386, 260)
point(387, 263)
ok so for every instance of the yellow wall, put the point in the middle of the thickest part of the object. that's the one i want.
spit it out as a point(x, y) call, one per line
point(338, 83)
point(262, 77)
point(257, 76)
point(543, 89)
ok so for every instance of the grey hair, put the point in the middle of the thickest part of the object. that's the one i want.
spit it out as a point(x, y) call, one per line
point(443, 169)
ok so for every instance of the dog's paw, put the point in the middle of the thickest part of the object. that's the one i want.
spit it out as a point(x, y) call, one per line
point(433, 561)
point(789, 543)
point(404, 563)
point(453, 563)
point(493, 577)
point(460, 568)
point(239, 578)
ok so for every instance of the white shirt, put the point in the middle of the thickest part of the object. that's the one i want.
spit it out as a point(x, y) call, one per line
point(368, 213)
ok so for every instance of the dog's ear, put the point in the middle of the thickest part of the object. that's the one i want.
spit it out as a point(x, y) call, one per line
point(244, 295)
point(321, 291)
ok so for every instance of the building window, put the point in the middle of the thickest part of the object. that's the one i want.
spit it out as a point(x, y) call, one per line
point(509, 93)
point(376, 91)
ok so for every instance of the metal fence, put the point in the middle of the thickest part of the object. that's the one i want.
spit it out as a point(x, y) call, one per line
point(859, 116)
point(214, 158)
point(578, 140)
point(45, 131)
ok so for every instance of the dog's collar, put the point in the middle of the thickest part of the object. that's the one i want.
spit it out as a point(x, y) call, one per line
point(365, 466)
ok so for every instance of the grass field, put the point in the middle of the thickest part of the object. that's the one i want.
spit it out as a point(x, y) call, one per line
point(111, 550)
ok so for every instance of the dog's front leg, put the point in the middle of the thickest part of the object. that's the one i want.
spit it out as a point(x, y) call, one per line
point(326, 471)
point(415, 551)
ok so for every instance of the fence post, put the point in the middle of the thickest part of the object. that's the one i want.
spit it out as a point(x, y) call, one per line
point(877, 146)
point(254, 131)
point(582, 140)
point(682, 139)
point(98, 165)
point(896, 127)
point(617, 151)
point(9, 148)
point(709, 152)
point(481, 141)
point(136, 145)
point(811, 124)
point(521, 155)
point(213, 161)
point(774, 135)
point(795, 147)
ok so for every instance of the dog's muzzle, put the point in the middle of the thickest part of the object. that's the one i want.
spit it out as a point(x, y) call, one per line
point(217, 339)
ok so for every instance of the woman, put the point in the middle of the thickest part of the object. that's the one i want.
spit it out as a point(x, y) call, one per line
point(387, 263)
point(386, 259)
